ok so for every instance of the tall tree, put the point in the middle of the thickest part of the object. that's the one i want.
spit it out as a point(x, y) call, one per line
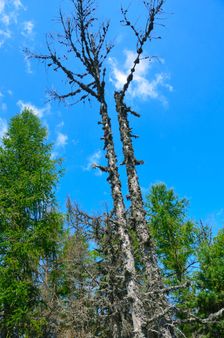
point(84, 41)
point(29, 223)
point(182, 245)
point(175, 236)
point(176, 240)
point(209, 279)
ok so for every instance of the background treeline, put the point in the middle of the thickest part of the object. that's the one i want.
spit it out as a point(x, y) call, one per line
point(60, 274)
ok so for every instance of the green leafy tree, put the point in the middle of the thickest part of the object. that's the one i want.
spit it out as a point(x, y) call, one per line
point(29, 223)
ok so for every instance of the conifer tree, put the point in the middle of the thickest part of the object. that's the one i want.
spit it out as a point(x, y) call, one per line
point(29, 223)
point(192, 263)
point(174, 234)
point(209, 279)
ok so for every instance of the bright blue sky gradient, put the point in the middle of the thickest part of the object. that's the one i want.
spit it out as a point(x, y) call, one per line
point(181, 102)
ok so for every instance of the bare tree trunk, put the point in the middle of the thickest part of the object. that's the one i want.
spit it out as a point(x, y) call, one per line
point(138, 214)
point(119, 210)
point(90, 49)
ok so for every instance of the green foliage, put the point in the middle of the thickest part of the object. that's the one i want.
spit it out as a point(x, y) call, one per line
point(175, 236)
point(210, 281)
point(52, 284)
point(29, 222)
point(180, 245)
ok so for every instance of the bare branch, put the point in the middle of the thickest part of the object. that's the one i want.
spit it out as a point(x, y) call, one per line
point(212, 318)
point(170, 289)
point(153, 9)
point(100, 167)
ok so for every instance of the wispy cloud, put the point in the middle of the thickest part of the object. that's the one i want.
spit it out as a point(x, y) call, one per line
point(40, 112)
point(3, 128)
point(28, 27)
point(17, 3)
point(61, 140)
point(10, 25)
point(9, 12)
point(140, 86)
point(4, 35)
point(92, 160)
point(3, 105)
point(28, 64)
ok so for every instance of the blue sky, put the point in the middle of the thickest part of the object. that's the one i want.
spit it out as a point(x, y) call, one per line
point(179, 95)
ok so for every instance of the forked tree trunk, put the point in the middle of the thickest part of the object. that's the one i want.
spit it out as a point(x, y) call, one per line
point(138, 214)
point(136, 309)
point(91, 50)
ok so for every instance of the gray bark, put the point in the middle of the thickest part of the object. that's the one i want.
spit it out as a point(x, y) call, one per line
point(158, 302)
point(138, 216)
point(91, 50)
point(119, 210)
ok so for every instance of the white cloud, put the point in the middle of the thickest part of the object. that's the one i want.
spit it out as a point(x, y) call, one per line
point(62, 140)
point(140, 86)
point(5, 19)
point(28, 28)
point(35, 110)
point(92, 160)
point(3, 127)
point(9, 14)
point(2, 5)
point(9, 10)
point(17, 4)
point(28, 64)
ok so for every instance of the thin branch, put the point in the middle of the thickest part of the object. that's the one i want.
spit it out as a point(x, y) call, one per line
point(153, 8)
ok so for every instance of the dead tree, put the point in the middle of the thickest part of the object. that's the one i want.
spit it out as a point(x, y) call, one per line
point(149, 313)
point(138, 214)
